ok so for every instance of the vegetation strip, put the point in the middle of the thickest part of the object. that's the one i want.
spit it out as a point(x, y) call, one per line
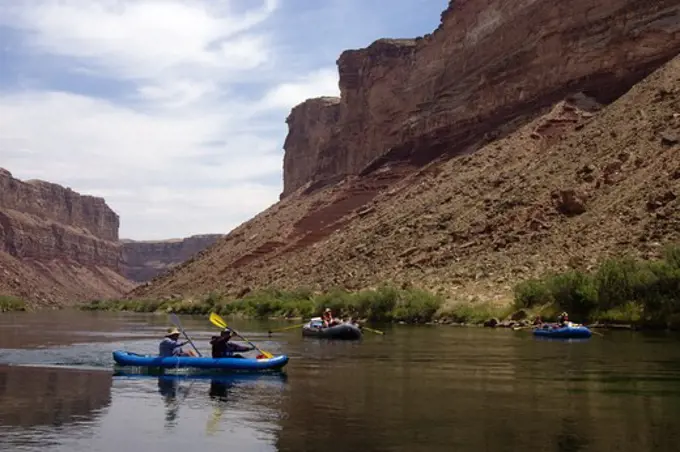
point(623, 291)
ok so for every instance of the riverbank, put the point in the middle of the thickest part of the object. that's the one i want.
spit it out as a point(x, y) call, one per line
point(641, 293)
point(619, 293)
point(384, 304)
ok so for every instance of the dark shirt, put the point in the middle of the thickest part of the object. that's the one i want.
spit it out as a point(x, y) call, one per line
point(222, 348)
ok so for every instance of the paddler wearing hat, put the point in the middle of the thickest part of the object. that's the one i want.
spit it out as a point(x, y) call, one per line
point(170, 346)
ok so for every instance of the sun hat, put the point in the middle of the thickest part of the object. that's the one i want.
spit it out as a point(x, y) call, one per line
point(172, 332)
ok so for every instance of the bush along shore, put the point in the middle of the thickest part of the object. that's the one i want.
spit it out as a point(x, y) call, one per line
point(384, 304)
point(620, 293)
point(9, 304)
point(623, 291)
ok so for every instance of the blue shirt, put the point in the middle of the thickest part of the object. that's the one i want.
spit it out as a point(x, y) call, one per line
point(169, 347)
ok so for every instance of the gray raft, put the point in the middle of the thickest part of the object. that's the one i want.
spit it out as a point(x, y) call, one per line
point(343, 331)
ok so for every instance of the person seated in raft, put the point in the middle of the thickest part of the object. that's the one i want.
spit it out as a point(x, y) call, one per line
point(169, 346)
point(327, 318)
point(222, 348)
point(538, 321)
point(563, 320)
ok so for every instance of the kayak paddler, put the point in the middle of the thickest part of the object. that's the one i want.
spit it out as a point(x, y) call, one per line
point(223, 348)
point(170, 346)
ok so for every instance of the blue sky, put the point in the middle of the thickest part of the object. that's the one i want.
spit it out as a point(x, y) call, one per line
point(174, 110)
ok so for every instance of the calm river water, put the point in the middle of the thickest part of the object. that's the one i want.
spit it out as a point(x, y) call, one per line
point(414, 389)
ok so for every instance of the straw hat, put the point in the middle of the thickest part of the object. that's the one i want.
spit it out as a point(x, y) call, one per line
point(172, 332)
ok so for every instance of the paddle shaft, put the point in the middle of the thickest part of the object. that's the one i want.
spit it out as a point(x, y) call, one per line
point(372, 330)
point(178, 324)
point(286, 328)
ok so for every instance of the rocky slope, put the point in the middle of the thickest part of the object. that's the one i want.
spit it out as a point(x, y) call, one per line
point(489, 63)
point(515, 160)
point(57, 246)
point(144, 260)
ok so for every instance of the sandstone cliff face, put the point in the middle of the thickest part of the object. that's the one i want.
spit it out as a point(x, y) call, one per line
point(311, 126)
point(490, 62)
point(144, 260)
point(56, 245)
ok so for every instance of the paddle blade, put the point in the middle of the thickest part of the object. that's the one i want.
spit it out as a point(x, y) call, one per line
point(218, 321)
point(175, 320)
point(373, 331)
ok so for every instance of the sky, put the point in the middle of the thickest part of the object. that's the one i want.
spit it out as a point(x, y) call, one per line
point(174, 111)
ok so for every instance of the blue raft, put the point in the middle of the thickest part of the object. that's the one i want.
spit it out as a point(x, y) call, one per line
point(124, 358)
point(566, 332)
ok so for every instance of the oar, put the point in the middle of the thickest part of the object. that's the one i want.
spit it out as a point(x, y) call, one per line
point(518, 328)
point(218, 321)
point(286, 328)
point(178, 324)
point(372, 330)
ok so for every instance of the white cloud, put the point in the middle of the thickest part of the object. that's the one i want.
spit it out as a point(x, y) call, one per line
point(286, 95)
point(140, 162)
point(142, 39)
point(199, 147)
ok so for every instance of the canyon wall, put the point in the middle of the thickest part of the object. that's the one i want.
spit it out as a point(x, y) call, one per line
point(56, 245)
point(489, 63)
point(144, 260)
point(522, 136)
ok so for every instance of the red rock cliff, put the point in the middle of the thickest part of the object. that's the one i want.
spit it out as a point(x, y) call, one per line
point(56, 245)
point(489, 63)
point(144, 260)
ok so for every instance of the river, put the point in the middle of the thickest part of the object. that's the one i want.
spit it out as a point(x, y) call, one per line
point(424, 388)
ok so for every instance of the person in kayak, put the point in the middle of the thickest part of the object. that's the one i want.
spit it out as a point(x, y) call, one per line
point(170, 346)
point(223, 348)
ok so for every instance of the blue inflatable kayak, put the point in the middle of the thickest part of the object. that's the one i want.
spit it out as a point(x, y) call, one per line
point(124, 358)
point(566, 332)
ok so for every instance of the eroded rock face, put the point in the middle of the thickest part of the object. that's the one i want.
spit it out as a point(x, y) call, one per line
point(55, 244)
point(144, 260)
point(489, 63)
point(62, 205)
point(311, 125)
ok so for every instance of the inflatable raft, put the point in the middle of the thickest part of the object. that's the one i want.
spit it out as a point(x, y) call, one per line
point(124, 358)
point(343, 331)
point(566, 332)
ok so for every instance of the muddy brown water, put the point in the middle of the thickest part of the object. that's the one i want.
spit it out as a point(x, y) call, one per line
point(414, 389)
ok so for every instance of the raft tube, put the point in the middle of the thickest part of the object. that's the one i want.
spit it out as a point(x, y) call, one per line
point(124, 358)
point(567, 332)
point(344, 331)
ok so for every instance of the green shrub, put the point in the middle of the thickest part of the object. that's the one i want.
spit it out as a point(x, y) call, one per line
point(620, 290)
point(573, 292)
point(531, 293)
point(9, 303)
point(382, 304)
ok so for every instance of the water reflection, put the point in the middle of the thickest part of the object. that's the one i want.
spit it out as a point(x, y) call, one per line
point(220, 389)
point(32, 396)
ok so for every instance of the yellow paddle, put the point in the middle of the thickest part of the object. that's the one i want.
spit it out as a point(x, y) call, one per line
point(218, 321)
